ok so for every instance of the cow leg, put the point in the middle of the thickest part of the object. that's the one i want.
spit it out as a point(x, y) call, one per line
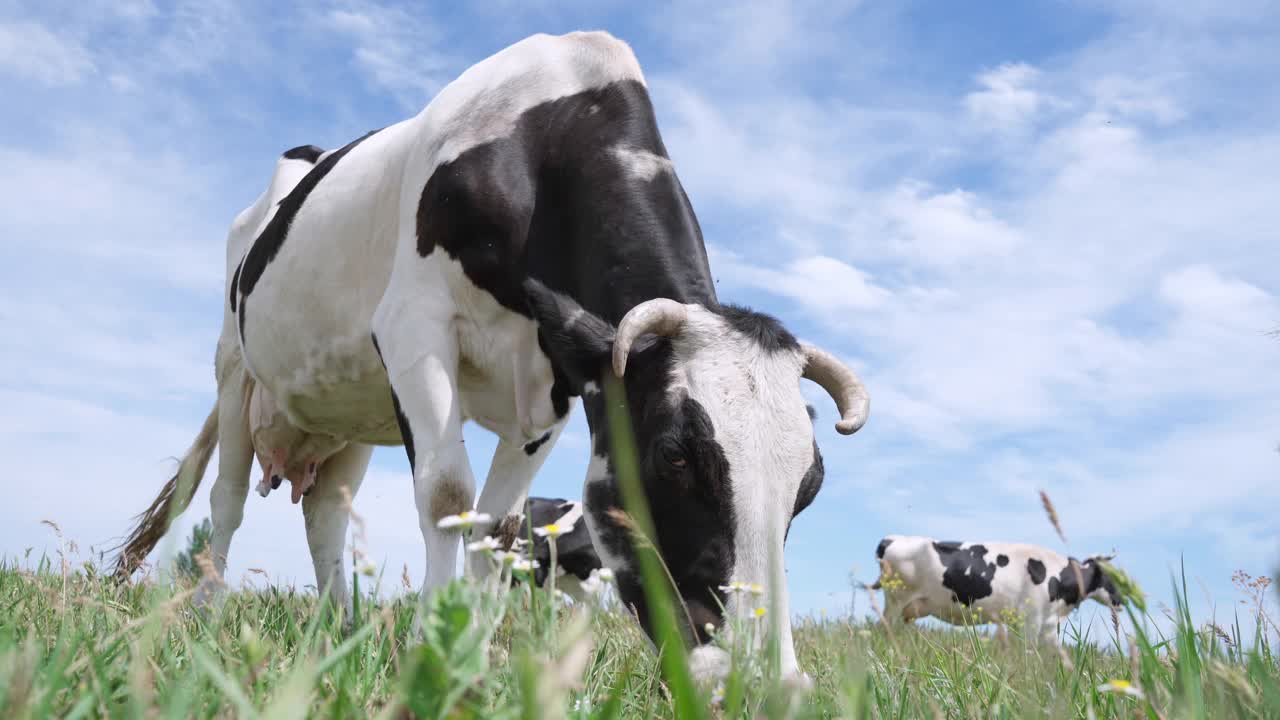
point(507, 485)
point(231, 488)
point(327, 515)
point(421, 358)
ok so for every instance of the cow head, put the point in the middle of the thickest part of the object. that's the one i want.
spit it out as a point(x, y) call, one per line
point(1089, 575)
point(723, 436)
point(1101, 587)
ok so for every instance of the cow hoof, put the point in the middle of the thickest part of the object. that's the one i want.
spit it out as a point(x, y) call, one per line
point(275, 482)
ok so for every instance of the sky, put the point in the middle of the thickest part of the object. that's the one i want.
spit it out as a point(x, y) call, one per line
point(1046, 234)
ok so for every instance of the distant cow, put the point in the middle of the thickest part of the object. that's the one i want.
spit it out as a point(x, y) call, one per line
point(576, 557)
point(992, 582)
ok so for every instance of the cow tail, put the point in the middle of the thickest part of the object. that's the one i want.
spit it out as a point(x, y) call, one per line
point(174, 497)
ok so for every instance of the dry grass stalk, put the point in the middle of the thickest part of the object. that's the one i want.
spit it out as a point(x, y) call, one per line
point(1053, 515)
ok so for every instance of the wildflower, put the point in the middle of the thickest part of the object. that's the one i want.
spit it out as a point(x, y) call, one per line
point(1122, 686)
point(487, 545)
point(523, 565)
point(553, 530)
point(717, 695)
point(597, 581)
point(740, 587)
point(519, 544)
point(464, 520)
point(506, 557)
point(759, 612)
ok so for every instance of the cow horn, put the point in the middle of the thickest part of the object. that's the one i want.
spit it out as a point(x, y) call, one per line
point(842, 383)
point(659, 316)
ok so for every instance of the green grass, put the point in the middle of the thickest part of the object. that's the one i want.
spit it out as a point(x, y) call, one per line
point(80, 645)
point(74, 643)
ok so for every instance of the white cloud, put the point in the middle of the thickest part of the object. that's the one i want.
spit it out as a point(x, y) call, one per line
point(817, 282)
point(945, 228)
point(28, 50)
point(397, 50)
point(1007, 100)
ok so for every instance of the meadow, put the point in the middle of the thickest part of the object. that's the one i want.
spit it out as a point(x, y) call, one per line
point(76, 642)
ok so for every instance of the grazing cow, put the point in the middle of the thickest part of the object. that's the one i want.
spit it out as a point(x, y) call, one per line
point(576, 557)
point(491, 259)
point(991, 582)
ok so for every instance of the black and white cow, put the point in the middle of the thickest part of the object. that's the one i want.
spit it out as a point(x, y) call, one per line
point(576, 557)
point(989, 582)
point(491, 259)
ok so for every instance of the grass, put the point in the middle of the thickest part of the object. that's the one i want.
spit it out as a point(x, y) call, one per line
point(75, 643)
point(85, 646)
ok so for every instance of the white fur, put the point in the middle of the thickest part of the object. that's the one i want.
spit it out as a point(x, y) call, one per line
point(913, 562)
point(640, 163)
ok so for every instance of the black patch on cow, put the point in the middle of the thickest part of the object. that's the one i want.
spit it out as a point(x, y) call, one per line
point(1002, 560)
point(310, 153)
point(884, 545)
point(406, 434)
point(947, 546)
point(235, 284)
point(763, 329)
point(541, 201)
point(810, 484)
point(1036, 570)
point(813, 413)
point(532, 446)
point(966, 573)
point(272, 237)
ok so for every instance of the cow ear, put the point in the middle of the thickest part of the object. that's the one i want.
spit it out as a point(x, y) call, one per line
point(579, 342)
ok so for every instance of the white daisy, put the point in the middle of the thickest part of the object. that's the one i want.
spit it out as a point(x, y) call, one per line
point(523, 565)
point(487, 545)
point(1123, 687)
point(463, 521)
point(553, 530)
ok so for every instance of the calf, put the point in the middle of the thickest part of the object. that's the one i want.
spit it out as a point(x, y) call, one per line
point(992, 582)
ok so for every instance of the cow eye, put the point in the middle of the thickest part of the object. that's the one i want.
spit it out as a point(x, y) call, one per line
point(673, 454)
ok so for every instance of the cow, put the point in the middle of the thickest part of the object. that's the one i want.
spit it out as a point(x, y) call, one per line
point(987, 582)
point(493, 259)
point(576, 558)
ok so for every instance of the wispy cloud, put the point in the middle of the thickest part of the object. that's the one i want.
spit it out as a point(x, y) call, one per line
point(30, 51)
point(401, 52)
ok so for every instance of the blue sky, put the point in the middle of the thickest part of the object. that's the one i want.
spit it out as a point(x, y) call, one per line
point(1045, 232)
